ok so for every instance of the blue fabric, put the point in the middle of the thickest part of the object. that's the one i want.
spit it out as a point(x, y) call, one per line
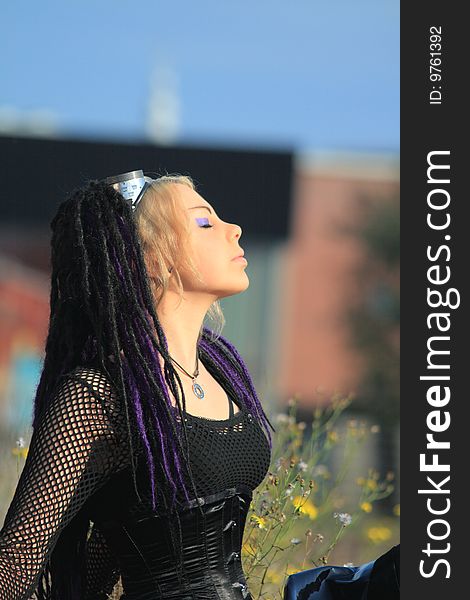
point(376, 580)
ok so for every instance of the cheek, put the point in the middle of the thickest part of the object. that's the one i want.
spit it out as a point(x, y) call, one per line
point(207, 254)
point(214, 266)
point(211, 265)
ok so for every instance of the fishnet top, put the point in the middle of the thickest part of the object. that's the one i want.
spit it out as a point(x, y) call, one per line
point(78, 460)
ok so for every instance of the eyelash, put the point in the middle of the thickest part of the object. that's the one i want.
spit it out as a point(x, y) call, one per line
point(205, 225)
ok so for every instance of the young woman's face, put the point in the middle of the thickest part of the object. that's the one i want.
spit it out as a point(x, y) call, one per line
point(214, 244)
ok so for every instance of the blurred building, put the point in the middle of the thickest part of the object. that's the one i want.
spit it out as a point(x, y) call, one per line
point(24, 313)
point(319, 271)
point(290, 325)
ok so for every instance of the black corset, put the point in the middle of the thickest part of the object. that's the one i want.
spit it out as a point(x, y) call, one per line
point(211, 568)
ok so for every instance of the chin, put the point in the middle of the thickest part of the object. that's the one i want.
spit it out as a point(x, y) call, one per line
point(245, 287)
point(245, 283)
point(234, 290)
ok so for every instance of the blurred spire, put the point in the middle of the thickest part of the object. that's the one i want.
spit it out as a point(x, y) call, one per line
point(163, 115)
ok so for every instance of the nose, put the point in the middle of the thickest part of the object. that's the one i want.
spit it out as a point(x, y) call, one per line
point(238, 231)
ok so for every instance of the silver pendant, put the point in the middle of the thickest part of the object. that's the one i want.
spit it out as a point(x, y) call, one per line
point(198, 391)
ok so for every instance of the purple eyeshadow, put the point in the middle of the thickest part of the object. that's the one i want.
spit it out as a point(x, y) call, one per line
point(202, 220)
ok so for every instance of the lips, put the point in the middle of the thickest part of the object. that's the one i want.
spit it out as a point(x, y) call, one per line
point(239, 255)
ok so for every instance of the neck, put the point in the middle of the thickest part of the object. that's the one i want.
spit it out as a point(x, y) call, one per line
point(181, 323)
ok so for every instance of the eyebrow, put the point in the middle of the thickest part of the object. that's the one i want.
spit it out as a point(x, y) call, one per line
point(202, 206)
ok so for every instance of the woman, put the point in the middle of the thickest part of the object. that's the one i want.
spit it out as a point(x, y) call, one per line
point(148, 435)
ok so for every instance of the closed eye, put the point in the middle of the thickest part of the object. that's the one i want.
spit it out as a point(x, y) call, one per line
point(203, 222)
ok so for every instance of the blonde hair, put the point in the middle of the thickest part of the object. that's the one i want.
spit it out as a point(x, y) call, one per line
point(164, 237)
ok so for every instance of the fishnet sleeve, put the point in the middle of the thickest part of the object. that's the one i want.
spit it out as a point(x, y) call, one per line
point(75, 447)
point(101, 567)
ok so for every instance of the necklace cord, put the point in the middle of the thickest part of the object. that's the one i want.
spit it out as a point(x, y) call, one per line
point(197, 388)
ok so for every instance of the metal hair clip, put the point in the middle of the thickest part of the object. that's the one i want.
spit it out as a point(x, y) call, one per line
point(131, 185)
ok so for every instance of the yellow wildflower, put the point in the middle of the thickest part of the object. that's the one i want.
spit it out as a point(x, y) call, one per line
point(20, 451)
point(371, 484)
point(306, 507)
point(260, 521)
point(379, 534)
point(366, 507)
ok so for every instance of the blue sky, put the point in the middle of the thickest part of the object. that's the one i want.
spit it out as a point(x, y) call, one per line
point(306, 74)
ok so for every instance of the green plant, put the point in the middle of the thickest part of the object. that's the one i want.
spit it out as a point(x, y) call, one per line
point(294, 522)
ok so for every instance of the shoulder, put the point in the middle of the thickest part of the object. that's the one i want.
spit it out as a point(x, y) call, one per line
point(94, 378)
point(88, 391)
